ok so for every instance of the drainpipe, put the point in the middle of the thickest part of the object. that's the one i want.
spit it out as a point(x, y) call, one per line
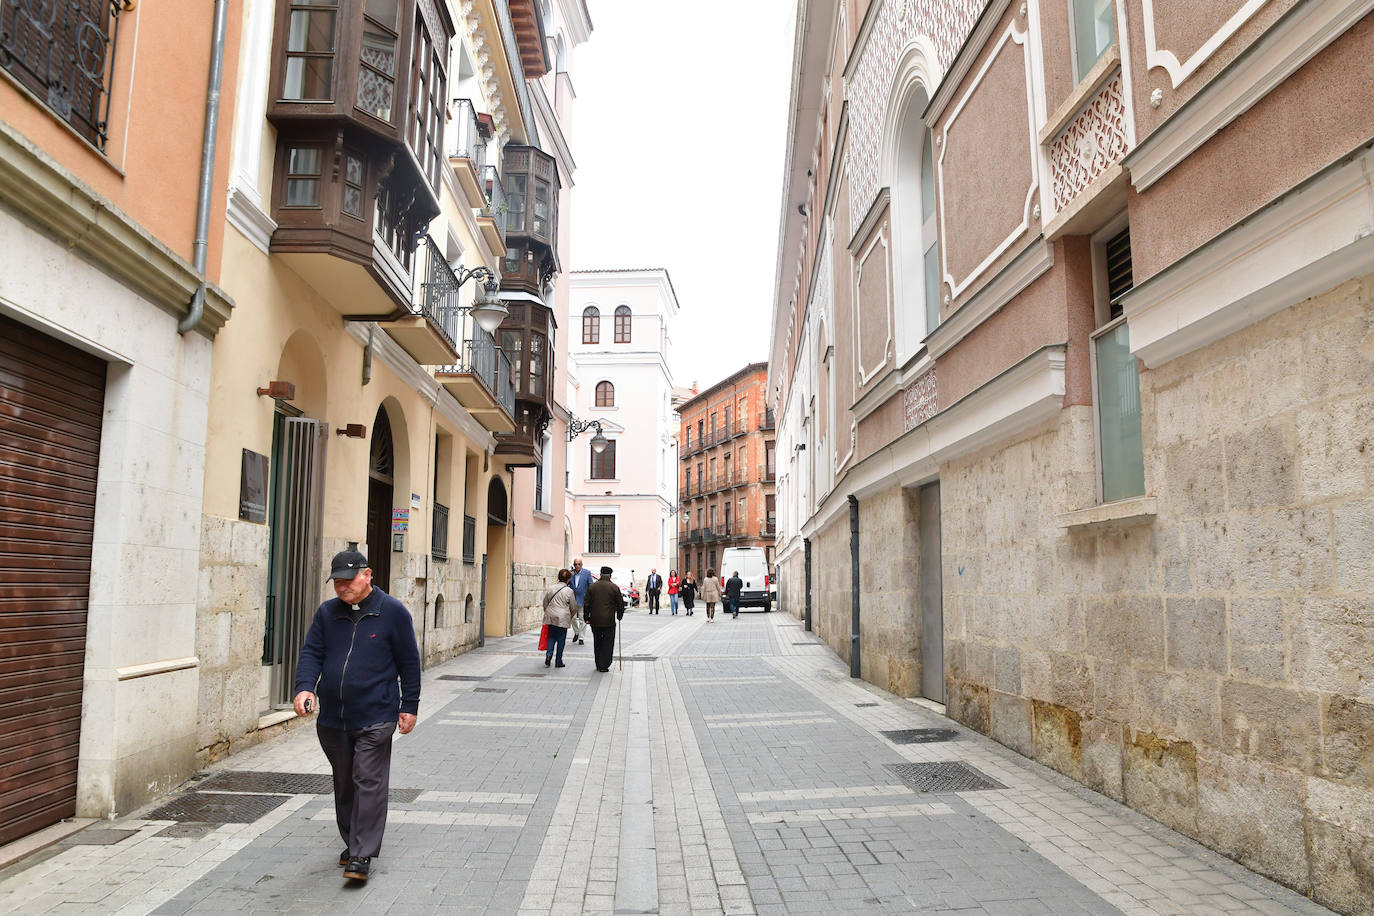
point(806, 548)
point(853, 586)
point(207, 169)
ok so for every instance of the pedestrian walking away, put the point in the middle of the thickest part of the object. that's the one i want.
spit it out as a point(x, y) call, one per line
point(710, 593)
point(688, 591)
point(674, 584)
point(360, 670)
point(733, 587)
point(581, 580)
point(603, 609)
point(560, 606)
point(654, 586)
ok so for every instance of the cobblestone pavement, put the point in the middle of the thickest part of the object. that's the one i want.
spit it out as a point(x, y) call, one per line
point(728, 767)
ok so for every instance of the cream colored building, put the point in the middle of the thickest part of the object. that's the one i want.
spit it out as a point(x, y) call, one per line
point(1072, 334)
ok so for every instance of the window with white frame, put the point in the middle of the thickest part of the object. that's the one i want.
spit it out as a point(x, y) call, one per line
point(917, 235)
point(1094, 30)
point(600, 533)
point(1116, 379)
point(603, 462)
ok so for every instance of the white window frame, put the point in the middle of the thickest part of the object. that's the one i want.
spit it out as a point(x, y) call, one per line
point(1080, 73)
point(1103, 324)
point(599, 511)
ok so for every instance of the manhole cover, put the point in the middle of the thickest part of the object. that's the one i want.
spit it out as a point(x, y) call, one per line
point(188, 830)
point(861, 705)
point(268, 781)
point(945, 776)
point(463, 677)
point(488, 690)
point(403, 795)
point(101, 837)
point(215, 808)
point(919, 735)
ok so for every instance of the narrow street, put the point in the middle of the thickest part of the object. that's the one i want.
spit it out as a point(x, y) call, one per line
point(730, 766)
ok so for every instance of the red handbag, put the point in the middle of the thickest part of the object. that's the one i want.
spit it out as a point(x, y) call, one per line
point(544, 637)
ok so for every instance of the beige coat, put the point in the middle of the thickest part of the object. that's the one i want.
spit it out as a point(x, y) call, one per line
point(710, 590)
point(559, 602)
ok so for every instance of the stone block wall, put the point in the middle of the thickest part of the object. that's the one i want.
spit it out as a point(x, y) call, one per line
point(792, 584)
point(1212, 666)
point(830, 585)
point(532, 580)
point(454, 623)
point(889, 593)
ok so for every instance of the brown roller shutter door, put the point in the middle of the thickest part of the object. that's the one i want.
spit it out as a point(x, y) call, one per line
point(51, 400)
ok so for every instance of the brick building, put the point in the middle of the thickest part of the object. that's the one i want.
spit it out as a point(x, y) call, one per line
point(728, 469)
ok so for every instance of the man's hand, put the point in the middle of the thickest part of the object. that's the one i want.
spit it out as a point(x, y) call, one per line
point(305, 696)
point(406, 723)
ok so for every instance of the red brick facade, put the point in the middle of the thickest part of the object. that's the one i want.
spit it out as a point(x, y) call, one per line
point(728, 469)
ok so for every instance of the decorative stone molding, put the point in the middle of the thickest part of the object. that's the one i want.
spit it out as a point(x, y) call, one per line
point(1156, 56)
point(245, 215)
point(1092, 142)
point(920, 401)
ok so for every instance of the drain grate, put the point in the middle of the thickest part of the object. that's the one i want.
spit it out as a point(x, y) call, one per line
point(403, 795)
point(944, 776)
point(862, 705)
point(101, 837)
point(215, 808)
point(276, 783)
point(919, 735)
point(463, 677)
point(488, 690)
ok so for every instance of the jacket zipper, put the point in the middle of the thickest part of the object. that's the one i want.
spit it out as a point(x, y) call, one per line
point(344, 671)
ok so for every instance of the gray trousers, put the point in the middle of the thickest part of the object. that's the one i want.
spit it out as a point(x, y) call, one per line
point(361, 760)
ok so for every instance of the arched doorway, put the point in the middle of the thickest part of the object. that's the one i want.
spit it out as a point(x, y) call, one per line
point(497, 618)
point(381, 489)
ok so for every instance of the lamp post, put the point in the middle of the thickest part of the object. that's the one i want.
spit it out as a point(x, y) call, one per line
point(577, 427)
point(487, 309)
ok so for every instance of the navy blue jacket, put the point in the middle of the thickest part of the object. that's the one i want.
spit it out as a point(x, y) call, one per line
point(363, 673)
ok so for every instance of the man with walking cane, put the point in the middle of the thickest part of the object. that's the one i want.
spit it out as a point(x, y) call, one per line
point(603, 608)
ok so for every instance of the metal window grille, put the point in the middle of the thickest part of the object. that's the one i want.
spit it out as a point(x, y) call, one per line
point(64, 54)
point(601, 534)
point(469, 540)
point(439, 539)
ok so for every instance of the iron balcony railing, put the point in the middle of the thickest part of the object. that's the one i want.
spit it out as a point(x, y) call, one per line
point(495, 192)
point(768, 420)
point(438, 543)
point(468, 142)
point(481, 356)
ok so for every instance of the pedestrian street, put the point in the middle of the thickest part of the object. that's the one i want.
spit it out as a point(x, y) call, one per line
point(729, 766)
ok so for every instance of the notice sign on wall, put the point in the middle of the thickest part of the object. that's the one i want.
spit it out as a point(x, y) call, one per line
point(253, 487)
point(400, 521)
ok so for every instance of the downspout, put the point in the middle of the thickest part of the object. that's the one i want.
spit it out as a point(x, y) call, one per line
point(201, 245)
point(854, 667)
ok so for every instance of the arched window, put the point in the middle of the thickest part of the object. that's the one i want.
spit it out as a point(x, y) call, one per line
point(622, 324)
point(591, 325)
point(918, 238)
point(605, 394)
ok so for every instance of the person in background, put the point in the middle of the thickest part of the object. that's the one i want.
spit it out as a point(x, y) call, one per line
point(604, 608)
point(710, 593)
point(674, 583)
point(733, 587)
point(581, 579)
point(653, 585)
point(560, 604)
point(688, 591)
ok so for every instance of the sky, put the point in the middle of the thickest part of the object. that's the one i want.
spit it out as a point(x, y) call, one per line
point(678, 134)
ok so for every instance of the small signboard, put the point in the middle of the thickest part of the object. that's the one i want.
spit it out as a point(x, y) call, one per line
point(253, 487)
point(400, 521)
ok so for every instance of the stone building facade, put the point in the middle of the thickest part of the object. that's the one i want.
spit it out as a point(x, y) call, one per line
point(1073, 334)
point(728, 471)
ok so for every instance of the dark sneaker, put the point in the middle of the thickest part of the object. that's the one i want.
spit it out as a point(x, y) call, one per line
point(358, 867)
point(343, 858)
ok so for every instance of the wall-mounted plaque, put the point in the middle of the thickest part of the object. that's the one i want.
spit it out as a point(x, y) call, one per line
point(253, 487)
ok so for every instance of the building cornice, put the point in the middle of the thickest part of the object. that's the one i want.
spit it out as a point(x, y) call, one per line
point(43, 192)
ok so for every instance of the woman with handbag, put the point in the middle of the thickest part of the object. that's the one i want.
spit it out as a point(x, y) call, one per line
point(559, 604)
point(674, 583)
point(688, 590)
point(710, 593)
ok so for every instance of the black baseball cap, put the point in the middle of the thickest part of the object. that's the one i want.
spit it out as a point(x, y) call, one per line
point(606, 570)
point(347, 564)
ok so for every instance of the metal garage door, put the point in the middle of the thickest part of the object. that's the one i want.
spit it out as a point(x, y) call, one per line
point(51, 400)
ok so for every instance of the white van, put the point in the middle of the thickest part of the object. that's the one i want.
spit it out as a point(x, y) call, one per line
point(752, 566)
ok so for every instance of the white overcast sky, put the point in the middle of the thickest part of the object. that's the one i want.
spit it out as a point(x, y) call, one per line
point(678, 135)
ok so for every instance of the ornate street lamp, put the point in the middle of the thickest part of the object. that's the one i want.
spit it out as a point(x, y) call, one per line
point(487, 309)
point(577, 427)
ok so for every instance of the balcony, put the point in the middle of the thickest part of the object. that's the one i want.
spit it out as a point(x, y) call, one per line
point(531, 184)
point(467, 152)
point(768, 420)
point(767, 474)
point(429, 331)
point(492, 218)
point(525, 336)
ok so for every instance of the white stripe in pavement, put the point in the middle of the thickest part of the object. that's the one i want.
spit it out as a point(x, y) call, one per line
point(766, 715)
point(868, 812)
point(822, 792)
point(539, 716)
point(763, 723)
point(491, 723)
point(475, 798)
point(636, 879)
point(441, 818)
point(764, 679)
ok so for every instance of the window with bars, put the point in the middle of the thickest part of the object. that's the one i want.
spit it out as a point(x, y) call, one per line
point(591, 325)
point(622, 324)
point(603, 464)
point(605, 394)
point(601, 534)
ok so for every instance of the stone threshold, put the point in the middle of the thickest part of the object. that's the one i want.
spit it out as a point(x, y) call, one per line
point(1138, 510)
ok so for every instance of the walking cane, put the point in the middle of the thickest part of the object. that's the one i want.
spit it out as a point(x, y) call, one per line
point(620, 647)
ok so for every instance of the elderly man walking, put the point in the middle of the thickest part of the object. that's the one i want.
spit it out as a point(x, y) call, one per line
point(604, 607)
point(581, 580)
point(360, 667)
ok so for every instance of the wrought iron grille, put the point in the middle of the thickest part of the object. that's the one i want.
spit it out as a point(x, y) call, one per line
point(438, 541)
point(495, 191)
point(63, 52)
point(469, 540)
point(440, 300)
point(467, 139)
